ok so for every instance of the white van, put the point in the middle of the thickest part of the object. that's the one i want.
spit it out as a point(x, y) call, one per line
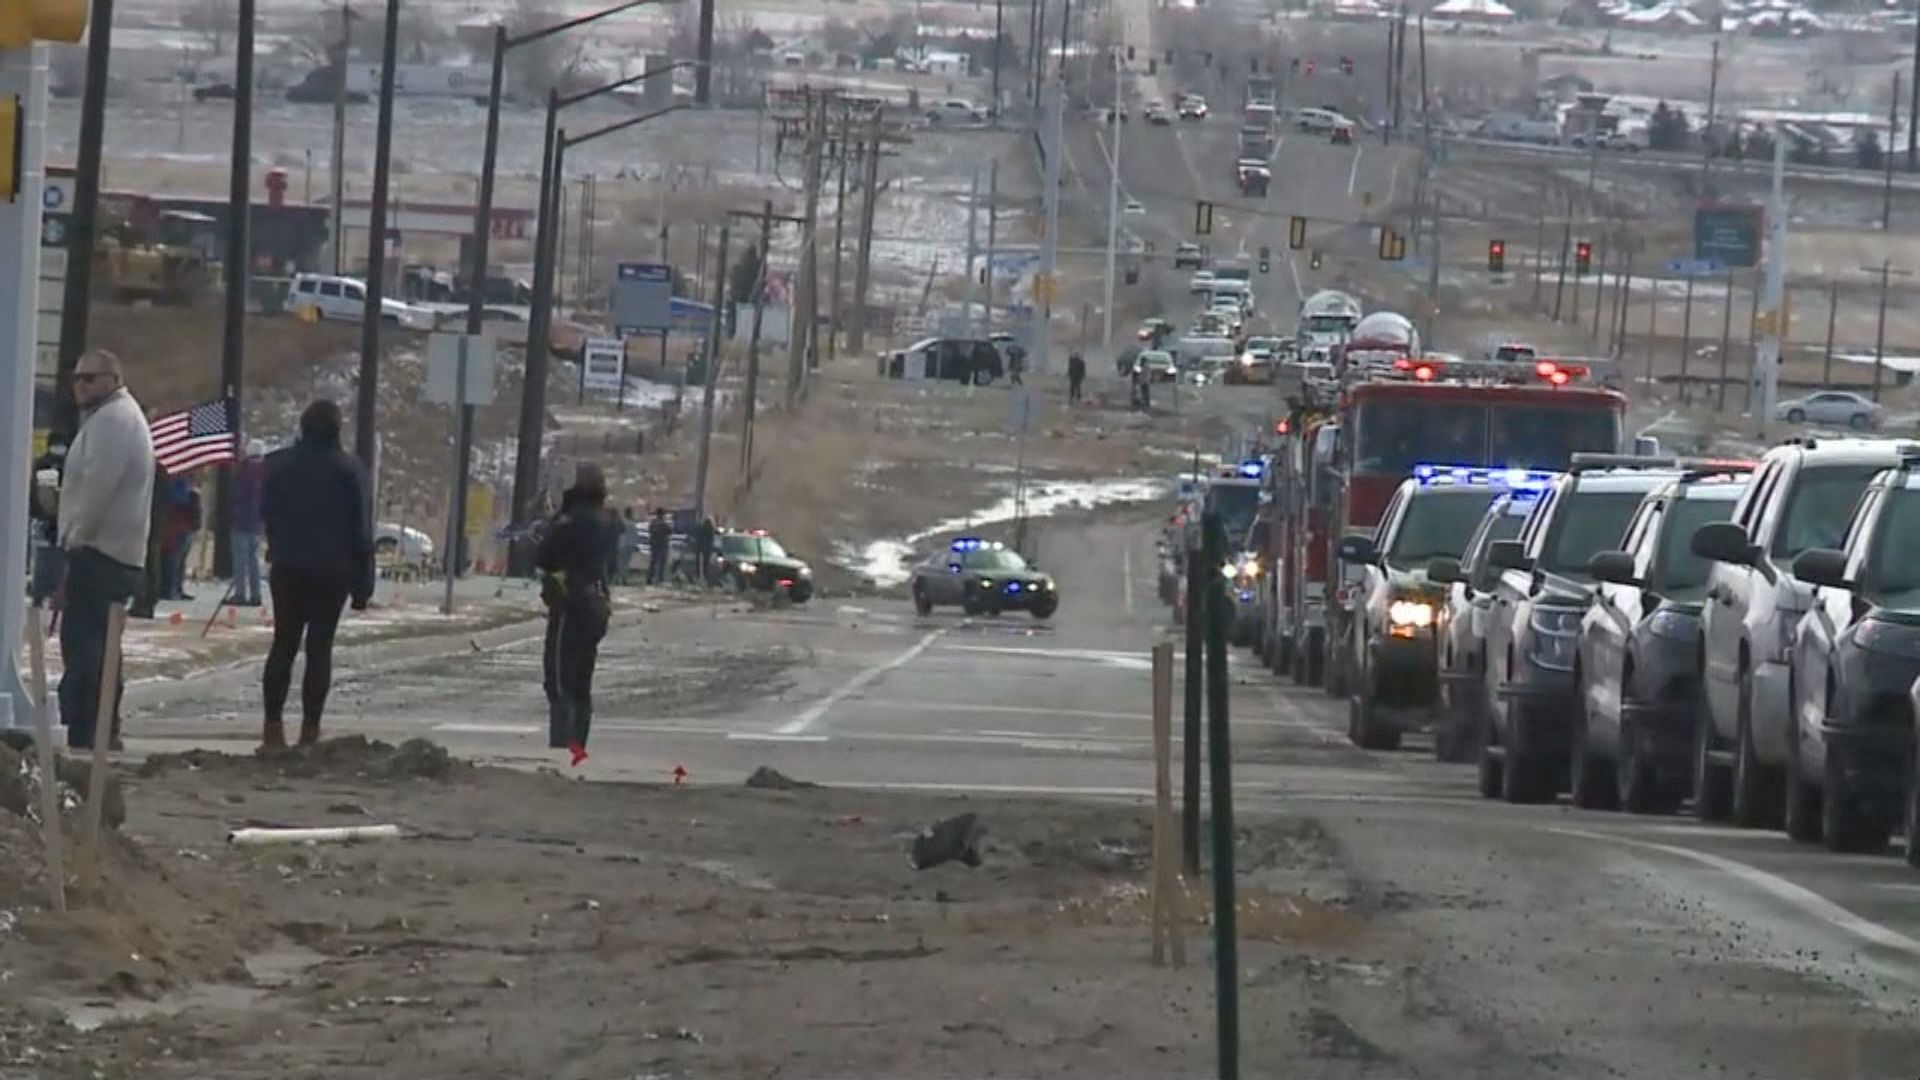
point(1317, 120)
point(345, 298)
point(1232, 288)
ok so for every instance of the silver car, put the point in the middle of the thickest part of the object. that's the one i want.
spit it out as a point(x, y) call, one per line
point(1839, 408)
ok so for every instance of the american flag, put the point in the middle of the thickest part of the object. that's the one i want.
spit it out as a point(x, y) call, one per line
point(191, 438)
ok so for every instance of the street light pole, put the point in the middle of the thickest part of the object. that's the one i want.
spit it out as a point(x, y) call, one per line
point(80, 224)
point(233, 337)
point(366, 403)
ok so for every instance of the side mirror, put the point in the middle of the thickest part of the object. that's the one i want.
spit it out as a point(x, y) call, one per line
point(1821, 566)
point(1443, 570)
point(1723, 541)
point(1646, 446)
point(1508, 555)
point(1615, 567)
point(1355, 549)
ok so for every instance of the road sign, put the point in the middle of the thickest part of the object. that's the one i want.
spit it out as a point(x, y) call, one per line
point(1728, 233)
point(1043, 287)
point(643, 297)
point(603, 364)
point(1696, 267)
point(444, 365)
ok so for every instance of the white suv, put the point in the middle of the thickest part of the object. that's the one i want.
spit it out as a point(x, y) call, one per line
point(345, 298)
point(1801, 497)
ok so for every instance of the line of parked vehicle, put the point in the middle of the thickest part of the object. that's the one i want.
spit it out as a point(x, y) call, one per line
point(1648, 633)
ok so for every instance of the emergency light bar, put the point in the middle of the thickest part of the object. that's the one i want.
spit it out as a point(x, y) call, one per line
point(1583, 461)
point(974, 543)
point(1253, 468)
point(1515, 480)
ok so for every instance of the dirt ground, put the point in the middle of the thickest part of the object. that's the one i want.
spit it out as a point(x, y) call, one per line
point(532, 925)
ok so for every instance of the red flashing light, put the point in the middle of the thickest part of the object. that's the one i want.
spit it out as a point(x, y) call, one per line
point(1423, 373)
point(1283, 426)
point(1558, 378)
point(1401, 363)
point(1545, 369)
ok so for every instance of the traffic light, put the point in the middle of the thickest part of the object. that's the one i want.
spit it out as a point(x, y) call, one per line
point(1294, 64)
point(1297, 233)
point(1346, 65)
point(1169, 56)
point(1313, 263)
point(1153, 66)
point(1582, 257)
point(1309, 67)
point(1253, 65)
point(23, 22)
point(1265, 266)
point(1129, 54)
point(1496, 256)
point(1133, 275)
point(1202, 218)
point(1393, 246)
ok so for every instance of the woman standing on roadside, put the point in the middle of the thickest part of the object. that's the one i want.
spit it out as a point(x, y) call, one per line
point(579, 544)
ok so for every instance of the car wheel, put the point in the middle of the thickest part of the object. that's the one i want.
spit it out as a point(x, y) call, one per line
point(1757, 800)
point(736, 582)
point(922, 603)
point(1796, 416)
point(1859, 421)
point(1364, 728)
point(1592, 782)
point(1045, 607)
point(1846, 825)
point(1529, 775)
point(1641, 788)
point(1313, 662)
point(1912, 814)
point(386, 547)
point(1712, 793)
point(800, 592)
point(970, 601)
point(1493, 769)
point(1802, 811)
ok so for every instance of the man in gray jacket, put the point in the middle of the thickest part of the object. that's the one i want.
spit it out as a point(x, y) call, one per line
point(104, 503)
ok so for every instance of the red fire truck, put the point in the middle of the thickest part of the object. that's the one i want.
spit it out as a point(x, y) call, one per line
point(1336, 468)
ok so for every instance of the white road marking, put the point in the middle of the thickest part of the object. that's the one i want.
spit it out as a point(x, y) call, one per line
point(1129, 660)
point(1353, 174)
point(956, 706)
point(799, 724)
point(1126, 577)
point(462, 728)
point(768, 736)
point(1798, 896)
point(1393, 181)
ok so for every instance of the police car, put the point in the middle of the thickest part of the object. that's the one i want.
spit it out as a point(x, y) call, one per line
point(753, 560)
point(1397, 619)
point(983, 577)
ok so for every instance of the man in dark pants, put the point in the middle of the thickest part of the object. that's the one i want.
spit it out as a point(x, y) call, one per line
point(573, 559)
point(313, 503)
point(105, 497)
point(703, 537)
point(147, 593)
point(1076, 374)
point(659, 546)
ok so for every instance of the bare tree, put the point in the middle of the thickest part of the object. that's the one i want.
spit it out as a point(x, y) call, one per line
point(210, 21)
point(539, 66)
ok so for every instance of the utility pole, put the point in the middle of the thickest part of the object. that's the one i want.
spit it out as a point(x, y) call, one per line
point(1566, 246)
point(1393, 87)
point(1833, 314)
point(1539, 253)
point(1772, 298)
point(993, 235)
point(1726, 344)
point(1893, 123)
point(857, 334)
point(1708, 134)
point(750, 403)
point(239, 271)
point(81, 226)
point(1886, 271)
point(1050, 245)
point(1114, 127)
point(839, 241)
point(804, 302)
point(999, 33)
point(1913, 108)
point(340, 140)
point(973, 251)
point(712, 377)
point(368, 389)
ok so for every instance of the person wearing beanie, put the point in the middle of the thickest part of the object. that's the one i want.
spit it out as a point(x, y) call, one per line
point(579, 544)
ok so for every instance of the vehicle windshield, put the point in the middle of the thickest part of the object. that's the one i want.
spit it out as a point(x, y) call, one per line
point(995, 559)
point(1437, 523)
point(1546, 437)
point(752, 547)
point(1679, 572)
point(1236, 504)
point(1587, 523)
point(1397, 435)
point(1329, 324)
point(1819, 508)
point(1893, 574)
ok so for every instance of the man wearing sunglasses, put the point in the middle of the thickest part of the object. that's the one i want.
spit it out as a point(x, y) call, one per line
point(104, 505)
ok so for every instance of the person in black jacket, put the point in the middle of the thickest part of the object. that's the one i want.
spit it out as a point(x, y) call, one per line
point(579, 543)
point(313, 503)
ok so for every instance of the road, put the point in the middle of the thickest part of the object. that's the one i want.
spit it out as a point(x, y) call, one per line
point(1498, 940)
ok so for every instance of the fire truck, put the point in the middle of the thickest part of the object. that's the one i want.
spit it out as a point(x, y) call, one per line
point(1338, 462)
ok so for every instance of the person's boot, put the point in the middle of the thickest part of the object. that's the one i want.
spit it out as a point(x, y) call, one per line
point(577, 738)
point(273, 736)
point(309, 732)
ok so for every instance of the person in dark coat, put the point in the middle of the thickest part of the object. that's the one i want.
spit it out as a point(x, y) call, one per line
point(320, 555)
point(1076, 375)
point(43, 516)
point(579, 544)
point(703, 538)
point(147, 590)
point(659, 546)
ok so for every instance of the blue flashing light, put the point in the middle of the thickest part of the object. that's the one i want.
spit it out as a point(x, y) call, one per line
point(1246, 596)
point(1253, 468)
point(1013, 586)
point(967, 543)
point(1514, 480)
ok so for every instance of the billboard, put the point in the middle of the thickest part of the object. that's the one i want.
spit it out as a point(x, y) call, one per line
point(1728, 235)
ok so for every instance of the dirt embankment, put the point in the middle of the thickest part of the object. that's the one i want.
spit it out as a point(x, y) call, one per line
point(528, 924)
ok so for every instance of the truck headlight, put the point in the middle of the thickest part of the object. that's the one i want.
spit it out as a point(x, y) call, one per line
point(1556, 636)
point(1412, 614)
point(1673, 625)
point(746, 567)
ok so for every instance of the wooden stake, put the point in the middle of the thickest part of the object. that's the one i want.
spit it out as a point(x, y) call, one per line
point(49, 776)
point(1166, 882)
point(102, 738)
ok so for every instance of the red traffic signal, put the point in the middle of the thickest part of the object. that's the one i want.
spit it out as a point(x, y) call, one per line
point(1496, 256)
point(1582, 257)
point(1346, 65)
